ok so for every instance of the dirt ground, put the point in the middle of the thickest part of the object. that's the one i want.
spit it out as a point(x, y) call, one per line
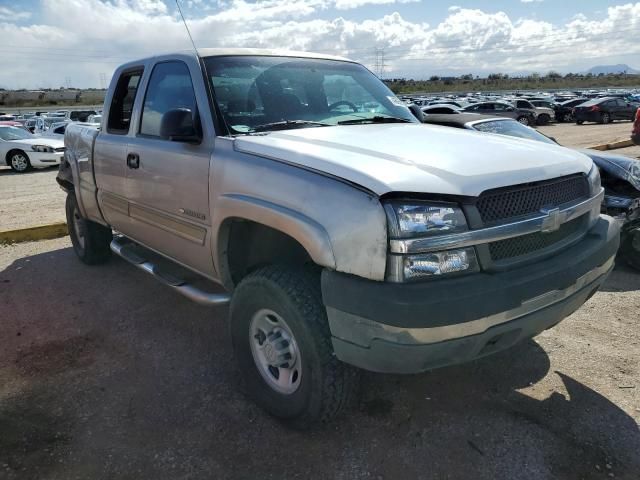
point(34, 199)
point(105, 374)
point(30, 199)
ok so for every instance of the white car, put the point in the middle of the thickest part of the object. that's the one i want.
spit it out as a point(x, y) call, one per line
point(22, 150)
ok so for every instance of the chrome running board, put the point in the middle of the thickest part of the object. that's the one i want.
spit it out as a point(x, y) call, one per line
point(124, 249)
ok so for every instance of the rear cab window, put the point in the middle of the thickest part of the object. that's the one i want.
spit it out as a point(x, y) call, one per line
point(122, 102)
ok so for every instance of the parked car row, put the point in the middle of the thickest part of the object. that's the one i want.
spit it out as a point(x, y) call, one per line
point(537, 109)
point(37, 141)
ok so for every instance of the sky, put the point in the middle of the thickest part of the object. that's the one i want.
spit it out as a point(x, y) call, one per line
point(79, 43)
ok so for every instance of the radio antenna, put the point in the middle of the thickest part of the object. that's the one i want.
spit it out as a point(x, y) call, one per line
point(187, 27)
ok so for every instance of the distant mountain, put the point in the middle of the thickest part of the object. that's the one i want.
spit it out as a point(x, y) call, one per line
point(606, 69)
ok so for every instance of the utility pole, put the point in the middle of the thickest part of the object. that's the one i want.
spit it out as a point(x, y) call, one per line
point(103, 80)
point(67, 81)
point(380, 64)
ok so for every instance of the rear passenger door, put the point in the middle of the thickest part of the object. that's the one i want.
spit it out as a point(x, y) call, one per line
point(168, 181)
point(111, 150)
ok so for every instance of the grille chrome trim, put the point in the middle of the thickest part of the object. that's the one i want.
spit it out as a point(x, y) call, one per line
point(534, 224)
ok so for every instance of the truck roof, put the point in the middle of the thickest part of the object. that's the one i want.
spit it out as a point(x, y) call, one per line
point(221, 52)
point(225, 52)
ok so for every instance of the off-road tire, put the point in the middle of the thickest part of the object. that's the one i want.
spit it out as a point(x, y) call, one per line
point(327, 385)
point(14, 165)
point(92, 243)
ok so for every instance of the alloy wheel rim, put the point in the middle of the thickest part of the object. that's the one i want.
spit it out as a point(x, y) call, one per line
point(275, 351)
point(19, 162)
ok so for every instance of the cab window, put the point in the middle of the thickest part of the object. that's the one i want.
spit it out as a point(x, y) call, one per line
point(170, 87)
point(122, 103)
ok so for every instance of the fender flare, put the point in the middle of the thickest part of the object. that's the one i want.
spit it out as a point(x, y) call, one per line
point(311, 235)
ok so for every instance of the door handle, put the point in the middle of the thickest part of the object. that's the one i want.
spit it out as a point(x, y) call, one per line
point(133, 160)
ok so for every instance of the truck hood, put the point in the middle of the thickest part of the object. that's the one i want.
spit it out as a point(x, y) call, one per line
point(387, 158)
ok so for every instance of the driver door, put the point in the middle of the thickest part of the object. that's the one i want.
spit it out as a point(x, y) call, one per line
point(167, 182)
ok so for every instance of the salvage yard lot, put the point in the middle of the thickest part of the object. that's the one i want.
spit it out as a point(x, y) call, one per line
point(104, 373)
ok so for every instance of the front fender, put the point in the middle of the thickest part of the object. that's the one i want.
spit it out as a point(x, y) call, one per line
point(307, 232)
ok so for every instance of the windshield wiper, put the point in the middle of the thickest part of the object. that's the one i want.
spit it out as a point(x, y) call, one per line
point(285, 124)
point(376, 119)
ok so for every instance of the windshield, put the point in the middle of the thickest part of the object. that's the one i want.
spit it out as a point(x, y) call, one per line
point(254, 92)
point(14, 133)
point(511, 128)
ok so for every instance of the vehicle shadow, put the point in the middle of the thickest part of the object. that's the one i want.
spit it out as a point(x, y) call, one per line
point(106, 372)
point(624, 278)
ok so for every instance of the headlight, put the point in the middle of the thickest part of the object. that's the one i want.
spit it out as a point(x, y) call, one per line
point(412, 219)
point(439, 263)
point(42, 148)
point(594, 180)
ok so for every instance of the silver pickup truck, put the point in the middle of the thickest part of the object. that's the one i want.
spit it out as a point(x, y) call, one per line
point(342, 231)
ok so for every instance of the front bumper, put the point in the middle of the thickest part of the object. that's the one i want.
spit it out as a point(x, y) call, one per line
point(45, 159)
point(410, 328)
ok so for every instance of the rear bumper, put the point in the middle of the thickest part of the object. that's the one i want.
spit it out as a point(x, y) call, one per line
point(409, 328)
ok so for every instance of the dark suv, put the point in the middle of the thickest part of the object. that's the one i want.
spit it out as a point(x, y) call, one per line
point(604, 110)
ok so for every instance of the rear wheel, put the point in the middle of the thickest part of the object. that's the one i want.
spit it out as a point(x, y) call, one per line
point(524, 120)
point(630, 248)
point(90, 240)
point(282, 344)
point(19, 161)
point(543, 119)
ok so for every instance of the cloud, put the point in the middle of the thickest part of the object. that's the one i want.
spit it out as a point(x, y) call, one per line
point(531, 1)
point(9, 15)
point(82, 39)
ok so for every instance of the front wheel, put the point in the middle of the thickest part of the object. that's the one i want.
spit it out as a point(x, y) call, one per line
point(605, 118)
point(90, 240)
point(282, 344)
point(19, 161)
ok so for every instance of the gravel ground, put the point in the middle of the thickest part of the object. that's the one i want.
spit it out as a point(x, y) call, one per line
point(30, 199)
point(104, 373)
point(587, 135)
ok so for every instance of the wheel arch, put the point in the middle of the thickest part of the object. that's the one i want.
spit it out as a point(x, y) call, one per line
point(252, 229)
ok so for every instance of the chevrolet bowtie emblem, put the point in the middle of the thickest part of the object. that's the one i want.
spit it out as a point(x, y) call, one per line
point(552, 222)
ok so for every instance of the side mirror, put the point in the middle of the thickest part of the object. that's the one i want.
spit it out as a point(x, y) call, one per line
point(178, 126)
point(417, 112)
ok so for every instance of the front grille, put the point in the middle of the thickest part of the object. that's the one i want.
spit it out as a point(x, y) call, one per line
point(533, 242)
point(503, 203)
